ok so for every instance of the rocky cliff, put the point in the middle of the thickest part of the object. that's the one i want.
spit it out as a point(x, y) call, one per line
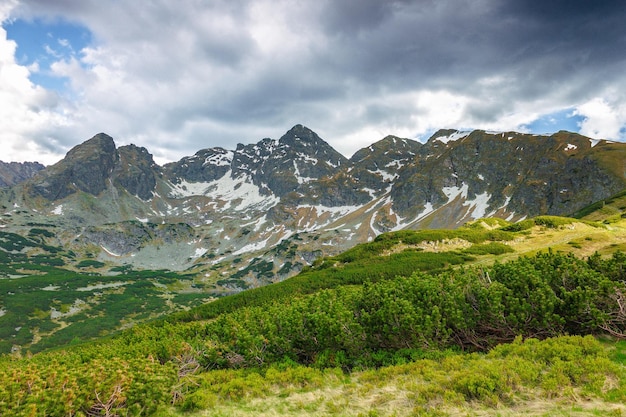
point(13, 173)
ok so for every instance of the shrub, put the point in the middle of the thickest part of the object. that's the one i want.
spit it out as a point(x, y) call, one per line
point(89, 263)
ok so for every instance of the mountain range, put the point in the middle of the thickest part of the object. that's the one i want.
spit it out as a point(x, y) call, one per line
point(262, 212)
point(13, 173)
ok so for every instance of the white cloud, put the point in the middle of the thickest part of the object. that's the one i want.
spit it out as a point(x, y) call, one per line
point(602, 119)
point(26, 110)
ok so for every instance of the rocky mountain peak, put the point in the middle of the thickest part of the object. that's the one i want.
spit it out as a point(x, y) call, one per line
point(446, 136)
point(136, 171)
point(387, 148)
point(300, 134)
point(205, 166)
point(299, 157)
point(95, 165)
point(86, 167)
point(101, 145)
point(303, 141)
point(13, 173)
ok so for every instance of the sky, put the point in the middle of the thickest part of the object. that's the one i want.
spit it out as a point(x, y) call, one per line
point(177, 76)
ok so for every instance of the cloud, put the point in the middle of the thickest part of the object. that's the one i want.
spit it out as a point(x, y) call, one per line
point(602, 119)
point(177, 77)
point(26, 110)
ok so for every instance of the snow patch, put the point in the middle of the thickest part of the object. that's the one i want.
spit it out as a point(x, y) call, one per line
point(259, 222)
point(372, 227)
point(109, 252)
point(189, 189)
point(570, 147)
point(240, 191)
point(428, 208)
point(394, 164)
point(478, 205)
point(453, 137)
point(594, 142)
point(58, 210)
point(301, 179)
point(371, 192)
point(220, 159)
point(307, 158)
point(386, 175)
point(252, 247)
point(454, 192)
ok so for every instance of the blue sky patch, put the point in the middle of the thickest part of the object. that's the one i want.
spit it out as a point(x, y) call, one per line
point(561, 120)
point(46, 42)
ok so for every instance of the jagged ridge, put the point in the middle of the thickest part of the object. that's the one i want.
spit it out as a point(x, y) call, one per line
point(244, 202)
point(13, 173)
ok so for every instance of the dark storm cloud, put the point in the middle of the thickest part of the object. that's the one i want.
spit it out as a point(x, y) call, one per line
point(563, 10)
point(349, 17)
point(580, 31)
point(457, 41)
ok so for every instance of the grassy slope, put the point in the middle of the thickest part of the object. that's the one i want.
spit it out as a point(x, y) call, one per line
point(397, 391)
point(400, 390)
point(400, 253)
point(443, 385)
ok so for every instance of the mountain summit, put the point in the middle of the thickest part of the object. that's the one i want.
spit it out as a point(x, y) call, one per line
point(92, 167)
point(85, 168)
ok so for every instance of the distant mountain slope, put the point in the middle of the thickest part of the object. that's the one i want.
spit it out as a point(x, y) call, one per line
point(263, 211)
point(12, 173)
point(508, 175)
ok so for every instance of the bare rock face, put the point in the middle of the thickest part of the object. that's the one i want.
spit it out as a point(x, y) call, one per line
point(13, 173)
point(205, 166)
point(130, 236)
point(136, 171)
point(86, 168)
point(94, 166)
point(528, 174)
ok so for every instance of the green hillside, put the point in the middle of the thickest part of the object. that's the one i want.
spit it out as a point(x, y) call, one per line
point(489, 319)
point(50, 296)
point(611, 210)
